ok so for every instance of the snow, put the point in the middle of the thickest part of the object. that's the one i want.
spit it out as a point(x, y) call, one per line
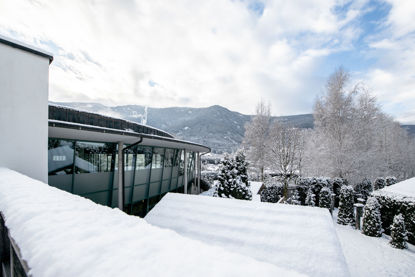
point(255, 186)
point(404, 188)
point(61, 234)
point(371, 256)
point(293, 237)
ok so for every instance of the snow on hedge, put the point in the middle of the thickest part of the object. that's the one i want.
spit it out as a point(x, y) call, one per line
point(60, 234)
point(404, 189)
point(294, 237)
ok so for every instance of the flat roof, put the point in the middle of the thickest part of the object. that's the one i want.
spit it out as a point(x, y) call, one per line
point(26, 47)
point(297, 238)
point(76, 131)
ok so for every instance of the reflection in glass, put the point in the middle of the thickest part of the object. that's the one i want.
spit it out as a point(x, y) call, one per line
point(92, 157)
point(60, 156)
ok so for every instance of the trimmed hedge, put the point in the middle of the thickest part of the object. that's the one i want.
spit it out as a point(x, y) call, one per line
point(393, 204)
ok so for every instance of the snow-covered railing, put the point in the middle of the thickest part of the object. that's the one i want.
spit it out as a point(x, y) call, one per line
point(12, 263)
point(61, 234)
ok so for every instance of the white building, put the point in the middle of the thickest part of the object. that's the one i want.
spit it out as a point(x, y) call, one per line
point(24, 74)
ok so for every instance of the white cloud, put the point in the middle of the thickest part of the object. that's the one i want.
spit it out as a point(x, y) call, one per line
point(199, 53)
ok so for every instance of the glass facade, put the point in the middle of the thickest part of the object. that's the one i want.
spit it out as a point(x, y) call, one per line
point(90, 169)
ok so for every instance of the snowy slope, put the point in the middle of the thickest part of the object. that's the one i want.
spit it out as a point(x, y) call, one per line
point(369, 256)
point(404, 188)
point(294, 237)
point(61, 234)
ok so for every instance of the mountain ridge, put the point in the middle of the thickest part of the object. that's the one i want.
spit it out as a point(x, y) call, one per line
point(215, 126)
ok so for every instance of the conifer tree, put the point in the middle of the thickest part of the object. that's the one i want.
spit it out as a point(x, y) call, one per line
point(310, 199)
point(346, 215)
point(232, 182)
point(380, 183)
point(390, 180)
point(295, 198)
point(325, 198)
point(398, 232)
point(372, 224)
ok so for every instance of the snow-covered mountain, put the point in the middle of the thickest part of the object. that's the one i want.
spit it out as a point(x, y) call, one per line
point(215, 126)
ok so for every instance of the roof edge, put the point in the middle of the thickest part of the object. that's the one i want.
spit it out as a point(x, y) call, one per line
point(25, 47)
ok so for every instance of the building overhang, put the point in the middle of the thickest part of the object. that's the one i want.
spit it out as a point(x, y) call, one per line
point(75, 131)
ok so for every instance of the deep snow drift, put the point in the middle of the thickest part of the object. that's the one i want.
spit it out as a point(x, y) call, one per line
point(294, 237)
point(61, 234)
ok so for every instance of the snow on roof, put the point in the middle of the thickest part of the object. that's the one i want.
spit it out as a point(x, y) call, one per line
point(61, 234)
point(293, 237)
point(402, 189)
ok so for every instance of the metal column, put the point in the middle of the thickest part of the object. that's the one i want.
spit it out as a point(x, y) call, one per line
point(185, 171)
point(199, 171)
point(120, 177)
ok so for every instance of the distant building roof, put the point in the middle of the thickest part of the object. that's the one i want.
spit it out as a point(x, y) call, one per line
point(298, 238)
point(25, 47)
point(405, 188)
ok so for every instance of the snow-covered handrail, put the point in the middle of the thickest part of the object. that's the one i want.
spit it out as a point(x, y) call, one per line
point(61, 234)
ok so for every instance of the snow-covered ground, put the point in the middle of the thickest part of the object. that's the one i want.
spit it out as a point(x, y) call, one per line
point(255, 186)
point(293, 237)
point(61, 234)
point(368, 256)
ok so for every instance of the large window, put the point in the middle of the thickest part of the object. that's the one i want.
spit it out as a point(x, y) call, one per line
point(143, 157)
point(158, 156)
point(92, 157)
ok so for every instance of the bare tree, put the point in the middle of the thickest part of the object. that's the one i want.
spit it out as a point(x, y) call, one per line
point(256, 135)
point(285, 151)
point(353, 138)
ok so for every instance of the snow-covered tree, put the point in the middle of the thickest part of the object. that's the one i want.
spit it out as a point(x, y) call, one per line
point(364, 188)
point(295, 198)
point(233, 183)
point(379, 183)
point(372, 223)
point(391, 180)
point(256, 136)
point(284, 144)
point(398, 232)
point(272, 191)
point(346, 210)
point(353, 138)
point(310, 199)
point(325, 198)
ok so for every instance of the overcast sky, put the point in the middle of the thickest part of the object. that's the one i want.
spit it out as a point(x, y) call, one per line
point(232, 53)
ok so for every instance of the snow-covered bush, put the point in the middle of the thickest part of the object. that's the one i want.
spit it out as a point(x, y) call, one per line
point(325, 198)
point(272, 192)
point(391, 205)
point(379, 183)
point(310, 199)
point(398, 232)
point(233, 180)
point(364, 189)
point(372, 224)
point(313, 183)
point(295, 198)
point(346, 215)
point(337, 183)
point(391, 180)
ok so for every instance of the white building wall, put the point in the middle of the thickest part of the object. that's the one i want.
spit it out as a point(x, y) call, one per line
point(24, 112)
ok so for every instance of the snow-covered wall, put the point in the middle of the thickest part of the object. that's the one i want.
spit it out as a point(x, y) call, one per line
point(62, 234)
point(24, 111)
